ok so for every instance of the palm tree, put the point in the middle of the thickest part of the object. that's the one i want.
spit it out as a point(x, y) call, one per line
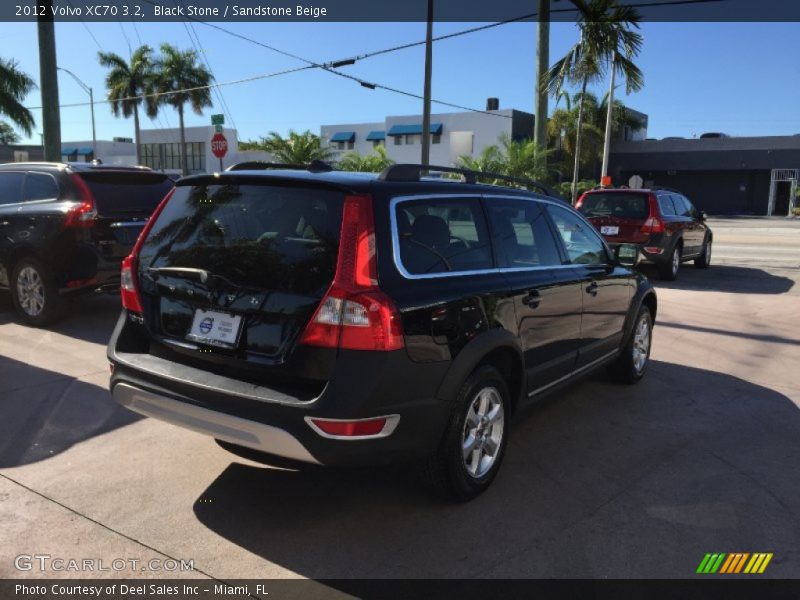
point(14, 86)
point(126, 83)
point(374, 162)
point(7, 134)
point(179, 80)
point(295, 149)
point(515, 158)
point(605, 40)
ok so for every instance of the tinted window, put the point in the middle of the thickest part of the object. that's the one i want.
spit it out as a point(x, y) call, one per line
point(256, 236)
point(121, 192)
point(521, 234)
point(583, 245)
point(629, 205)
point(681, 205)
point(437, 236)
point(11, 187)
point(666, 205)
point(39, 186)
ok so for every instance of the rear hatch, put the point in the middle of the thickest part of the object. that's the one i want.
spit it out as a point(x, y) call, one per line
point(123, 201)
point(232, 271)
point(618, 215)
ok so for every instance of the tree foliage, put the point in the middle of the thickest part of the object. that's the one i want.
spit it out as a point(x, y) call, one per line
point(375, 162)
point(14, 86)
point(515, 158)
point(296, 148)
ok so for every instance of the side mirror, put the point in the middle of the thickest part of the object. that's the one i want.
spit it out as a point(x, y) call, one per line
point(627, 255)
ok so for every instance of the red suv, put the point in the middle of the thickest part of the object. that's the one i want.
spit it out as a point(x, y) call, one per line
point(662, 223)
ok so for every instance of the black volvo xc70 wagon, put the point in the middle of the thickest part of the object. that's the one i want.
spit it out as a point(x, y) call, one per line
point(344, 319)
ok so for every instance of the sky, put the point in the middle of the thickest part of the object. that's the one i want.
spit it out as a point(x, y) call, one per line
point(736, 78)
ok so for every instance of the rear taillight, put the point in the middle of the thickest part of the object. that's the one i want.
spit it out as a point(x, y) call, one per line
point(356, 428)
point(129, 286)
point(653, 223)
point(84, 214)
point(355, 314)
point(579, 203)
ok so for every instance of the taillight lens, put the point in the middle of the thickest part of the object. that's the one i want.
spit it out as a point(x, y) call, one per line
point(355, 314)
point(129, 286)
point(653, 224)
point(359, 428)
point(84, 214)
point(579, 203)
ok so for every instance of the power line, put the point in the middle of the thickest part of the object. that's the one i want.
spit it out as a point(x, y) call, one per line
point(183, 91)
point(86, 27)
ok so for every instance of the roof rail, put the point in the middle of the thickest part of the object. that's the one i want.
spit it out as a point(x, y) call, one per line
point(315, 166)
point(665, 189)
point(414, 172)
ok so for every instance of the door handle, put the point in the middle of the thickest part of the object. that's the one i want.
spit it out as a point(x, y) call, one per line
point(532, 299)
point(4, 223)
point(592, 288)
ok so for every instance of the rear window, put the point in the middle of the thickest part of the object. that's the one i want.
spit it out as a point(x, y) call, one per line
point(121, 192)
point(628, 205)
point(255, 236)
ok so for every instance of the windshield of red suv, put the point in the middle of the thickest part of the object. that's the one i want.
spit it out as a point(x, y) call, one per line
point(628, 205)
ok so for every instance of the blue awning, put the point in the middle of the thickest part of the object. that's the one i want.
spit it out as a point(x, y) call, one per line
point(344, 136)
point(414, 129)
point(376, 136)
point(85, 151)
point(68, 151)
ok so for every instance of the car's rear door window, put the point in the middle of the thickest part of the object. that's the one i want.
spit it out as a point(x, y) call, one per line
point(522, 236)
point(628, 205)
point(437, 235)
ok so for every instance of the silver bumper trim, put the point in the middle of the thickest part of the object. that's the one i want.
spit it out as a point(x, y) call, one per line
point(235, 430)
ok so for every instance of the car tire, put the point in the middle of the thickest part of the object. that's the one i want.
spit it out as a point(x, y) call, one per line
point(668, 271)
point(479, 420)
point(704, 260)
point(34, 293)
point(631, 365)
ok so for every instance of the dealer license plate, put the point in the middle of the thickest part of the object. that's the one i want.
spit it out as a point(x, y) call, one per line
point(215, 328)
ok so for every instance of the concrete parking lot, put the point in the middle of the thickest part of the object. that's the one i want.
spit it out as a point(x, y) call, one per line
point(602, 481)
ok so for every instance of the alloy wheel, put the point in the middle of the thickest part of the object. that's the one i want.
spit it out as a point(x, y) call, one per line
point(30, 291)
point(676, 261)
point(483, 432)
point(641, 344)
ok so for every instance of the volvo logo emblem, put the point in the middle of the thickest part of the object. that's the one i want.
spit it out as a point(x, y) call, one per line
point(206, 325)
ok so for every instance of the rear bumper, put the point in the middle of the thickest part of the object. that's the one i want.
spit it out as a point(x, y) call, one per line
point(646, 257)
point(272, 421)
point(242, 432)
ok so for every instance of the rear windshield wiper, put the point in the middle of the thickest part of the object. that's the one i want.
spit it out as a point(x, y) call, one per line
point(189, 272)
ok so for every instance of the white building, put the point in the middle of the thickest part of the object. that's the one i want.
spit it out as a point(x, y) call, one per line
point(120, 151)
point(160, 150)
point(452, 135)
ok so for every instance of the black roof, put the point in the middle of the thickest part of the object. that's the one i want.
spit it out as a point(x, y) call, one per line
point(74, 166)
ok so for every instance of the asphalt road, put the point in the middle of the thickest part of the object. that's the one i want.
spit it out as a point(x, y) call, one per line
point(603, 481)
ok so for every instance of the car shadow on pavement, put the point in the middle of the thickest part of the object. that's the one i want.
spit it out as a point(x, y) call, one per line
point(89, 318)
point(723, 278)
point(44, 413)
point(607, 481)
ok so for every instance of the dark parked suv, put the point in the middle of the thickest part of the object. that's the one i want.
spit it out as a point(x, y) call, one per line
point(343, 318)
point(662, 223)
point(65, 228)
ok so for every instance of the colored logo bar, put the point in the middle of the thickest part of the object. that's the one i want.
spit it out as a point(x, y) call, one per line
point(735, 562)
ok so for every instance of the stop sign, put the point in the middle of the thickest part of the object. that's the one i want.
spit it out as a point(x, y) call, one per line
point(219, 145)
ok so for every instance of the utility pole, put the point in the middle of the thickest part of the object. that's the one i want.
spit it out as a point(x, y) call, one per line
point(542, 65)
point(609, 120)
point(426, 102)
point(48, 82)
point(88, 90)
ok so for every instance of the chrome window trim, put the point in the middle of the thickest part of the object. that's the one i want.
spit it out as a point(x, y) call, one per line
point(398, 263)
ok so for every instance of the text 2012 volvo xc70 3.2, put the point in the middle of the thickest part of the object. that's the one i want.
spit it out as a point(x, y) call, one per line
point(347, 319)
